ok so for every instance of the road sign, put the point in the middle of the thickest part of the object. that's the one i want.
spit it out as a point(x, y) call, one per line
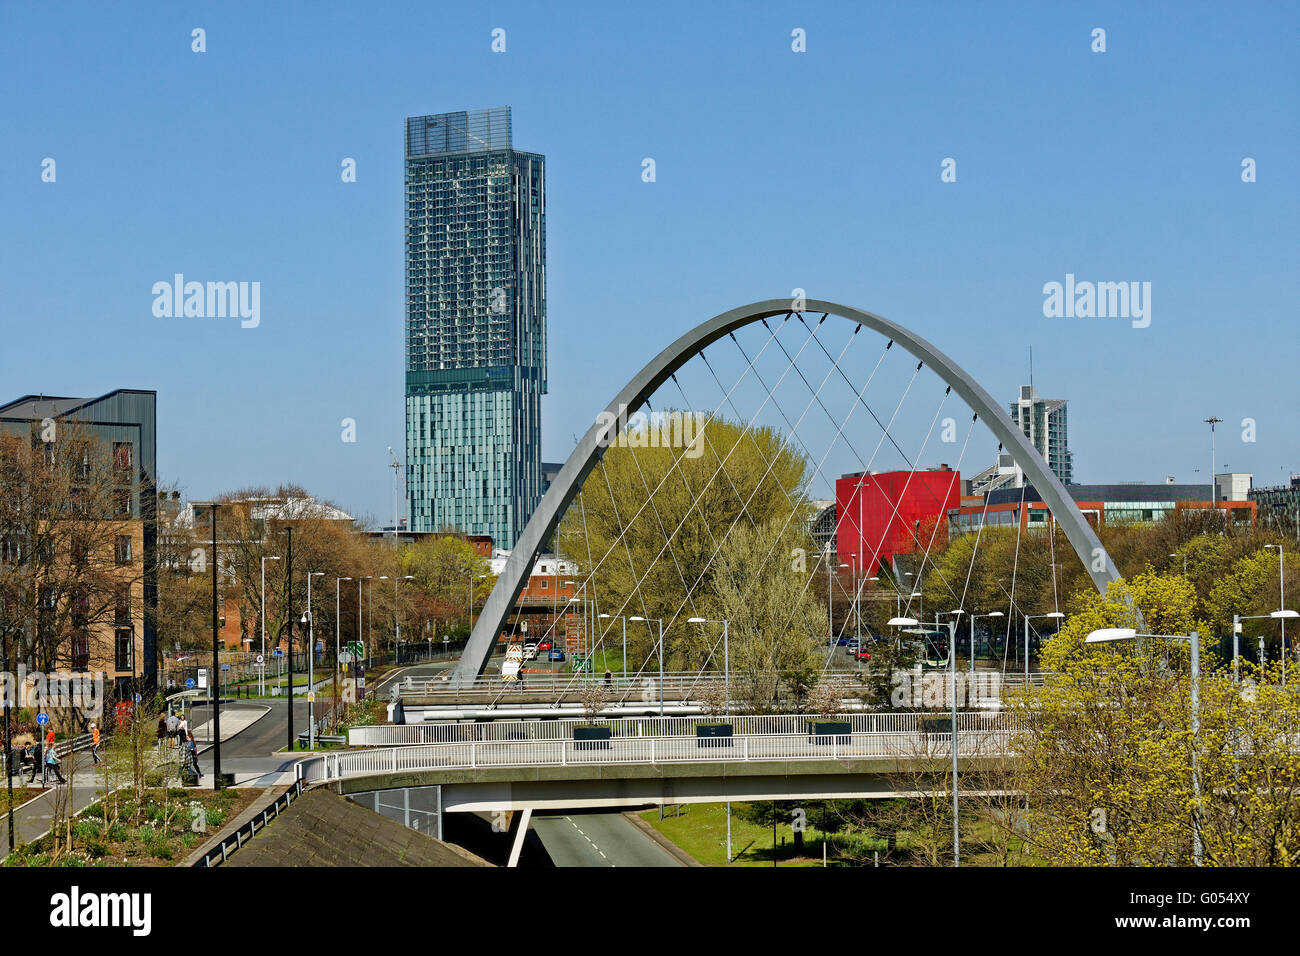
point(261, 659)
point(311, 697)
point(189, 682)
point(277, 653)
point(42, 719)
point(580, 663)
point(225, 667)
point(357, 649)
point(203, 678)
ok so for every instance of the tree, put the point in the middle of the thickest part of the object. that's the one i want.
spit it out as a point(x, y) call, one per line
point(650, 523)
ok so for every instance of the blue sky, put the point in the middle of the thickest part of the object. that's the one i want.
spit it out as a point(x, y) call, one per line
point(775, 170)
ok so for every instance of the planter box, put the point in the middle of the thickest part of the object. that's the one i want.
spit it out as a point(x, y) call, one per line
point(714, 735)
point(936, 725)
point(829, 732)
point(591, 738)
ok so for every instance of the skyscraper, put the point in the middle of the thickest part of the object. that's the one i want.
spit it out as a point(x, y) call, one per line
point(475, 324)
point(1043, 422)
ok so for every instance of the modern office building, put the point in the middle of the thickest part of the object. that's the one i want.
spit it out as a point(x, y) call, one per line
point(1279, 506)
point(121, 640)
point(1043, 422)
point(475, 325)
point(898, 512)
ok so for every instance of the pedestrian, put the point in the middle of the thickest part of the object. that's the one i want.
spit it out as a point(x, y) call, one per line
point(49, 738)
point(171, 725)
point(28, 759)
point(52, 765)
point(192, 757)
point(37, 765)
point(94, 743)
point(182, 730)
point(161, 732)
point(609, 678)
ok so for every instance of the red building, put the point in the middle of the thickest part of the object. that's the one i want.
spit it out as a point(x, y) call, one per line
point(885, 514)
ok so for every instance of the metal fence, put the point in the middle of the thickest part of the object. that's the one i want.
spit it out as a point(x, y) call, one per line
point(648, 750)
point(389, 735)
point(218, 854)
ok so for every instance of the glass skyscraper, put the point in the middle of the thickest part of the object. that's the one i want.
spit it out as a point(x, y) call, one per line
point(475, 324)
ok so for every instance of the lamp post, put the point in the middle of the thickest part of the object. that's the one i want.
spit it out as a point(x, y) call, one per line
point(661, 656)
point(1281, 603)
point(624, 620)
point(338, 636)
point(288, 618)
point(972, 633)
point(360, 578)
point(261, 675)
point(309, 620)
point(1184, 557)
point(1057, 615)
point(1281, 615)
point(726, 658)
point(1107, 634)
point(397, 621)
point(1214, 487)
point(214, 683)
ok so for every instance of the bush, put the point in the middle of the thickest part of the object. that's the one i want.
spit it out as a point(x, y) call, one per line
point(161, 851)
point(95, 849)
point(86, 829)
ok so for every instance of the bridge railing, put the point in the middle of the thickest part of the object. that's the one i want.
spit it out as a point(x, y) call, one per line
point(647, 750)
point(621, 687)
point(390, 735)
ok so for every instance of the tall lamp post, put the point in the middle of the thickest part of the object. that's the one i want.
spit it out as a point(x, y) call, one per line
point(309, 621)
point(661, 656)
point(261, 671)
point(624, 620)
point(972, 633)
point(338, 637)
point(1055, 615)
point(726, 658)
point(397, 620)
point(1107, 634)
point(1281, 603)
point(360, 633)
point(1282, 615)
point(214, 683)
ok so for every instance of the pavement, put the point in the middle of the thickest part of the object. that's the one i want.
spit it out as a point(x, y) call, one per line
point(598, 839)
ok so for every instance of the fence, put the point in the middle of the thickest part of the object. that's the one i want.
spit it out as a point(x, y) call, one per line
point(389, 735)
point(648, 750)
point(218, 854)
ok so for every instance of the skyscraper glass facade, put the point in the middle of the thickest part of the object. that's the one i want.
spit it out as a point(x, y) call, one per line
point(475, 324)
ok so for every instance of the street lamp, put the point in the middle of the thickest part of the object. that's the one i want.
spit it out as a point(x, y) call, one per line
point(1107, 634)
point(1184, 557)
point(261, 676)
point(972, 633)
point(624, 620)
point(1282, 616)
point(1281, 603)
point(360, 578)
point(397, 621)
point(661, 656)
point(726, 658)
point(338, 637)
point(1057, 615)
point(309, 620)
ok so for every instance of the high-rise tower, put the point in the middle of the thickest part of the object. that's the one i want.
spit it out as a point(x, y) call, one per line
point(475, 324)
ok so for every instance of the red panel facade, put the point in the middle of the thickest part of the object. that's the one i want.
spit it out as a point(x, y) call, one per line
point(883, 514)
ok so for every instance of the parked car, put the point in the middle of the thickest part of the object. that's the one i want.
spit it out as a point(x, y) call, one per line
point(861, 655)
point(544, 646)
point(845, 641)
point(530, 652)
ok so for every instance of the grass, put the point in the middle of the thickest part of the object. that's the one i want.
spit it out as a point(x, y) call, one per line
point(156, 828)
point(701, 830)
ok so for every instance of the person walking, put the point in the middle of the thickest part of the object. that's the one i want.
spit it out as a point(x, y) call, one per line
point(37, 764)
point(49, 738)
point(182, 730)
point(52, 765)
point(172, 724)
point(94, 743)
point(192, 757)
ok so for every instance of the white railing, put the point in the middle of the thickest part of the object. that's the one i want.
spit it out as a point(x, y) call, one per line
point(390, 735)
point(647, 750)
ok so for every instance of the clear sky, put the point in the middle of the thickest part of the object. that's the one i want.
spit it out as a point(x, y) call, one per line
point(775, 170)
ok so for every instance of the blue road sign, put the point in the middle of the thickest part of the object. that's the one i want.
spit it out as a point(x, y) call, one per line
point(277, 653)
point(42, 719)
point(225, 667)
point(189, 682)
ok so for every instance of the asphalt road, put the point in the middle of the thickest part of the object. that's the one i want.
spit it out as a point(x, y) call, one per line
point(597, 839)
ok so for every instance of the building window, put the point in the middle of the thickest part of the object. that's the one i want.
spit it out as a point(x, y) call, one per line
point(122, 604)
point(122, 457)
point(124, 646)
point(123, 550)
point(124, 502)
point(545, 585)
point(81, 651)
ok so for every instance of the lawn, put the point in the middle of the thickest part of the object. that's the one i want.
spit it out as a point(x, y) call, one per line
point(701, 830)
